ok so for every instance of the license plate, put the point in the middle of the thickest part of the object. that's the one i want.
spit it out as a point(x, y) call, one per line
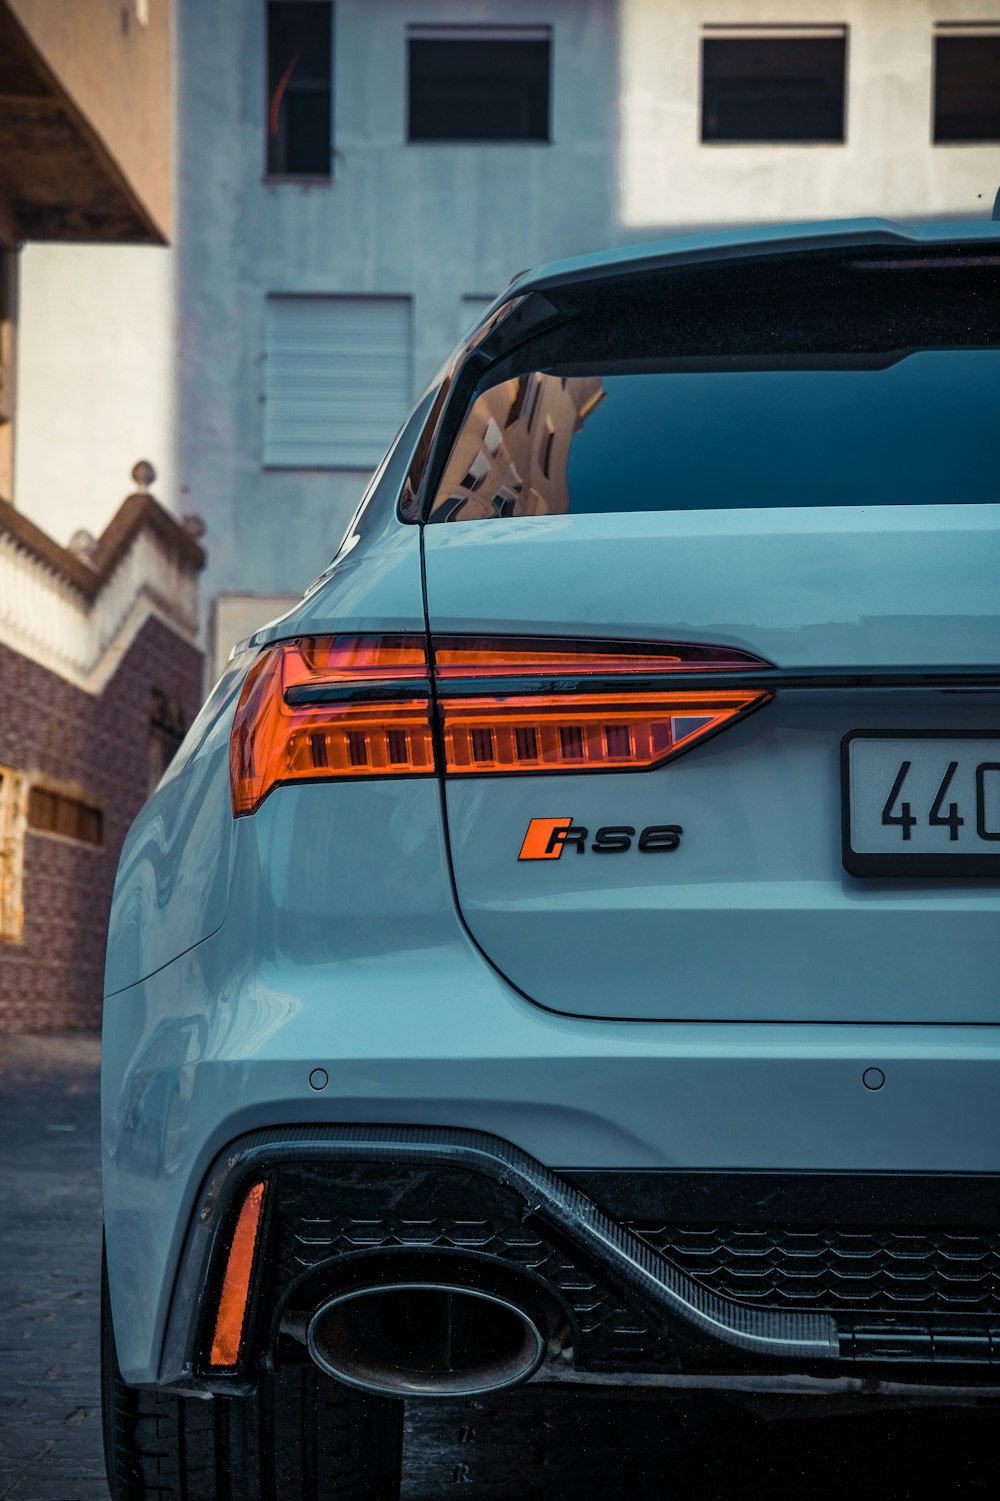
point(921, 804)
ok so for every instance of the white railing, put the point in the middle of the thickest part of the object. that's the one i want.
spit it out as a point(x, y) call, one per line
point(46, 617)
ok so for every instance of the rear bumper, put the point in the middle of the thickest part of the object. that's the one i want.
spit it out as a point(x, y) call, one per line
point(362, 1202)
point(199, 1055)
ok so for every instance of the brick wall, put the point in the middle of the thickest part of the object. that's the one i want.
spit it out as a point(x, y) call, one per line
point(53, 977)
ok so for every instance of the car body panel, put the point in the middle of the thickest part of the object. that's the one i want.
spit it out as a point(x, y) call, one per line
point(753, 917)
point(838, 586)
point(164, 902)
point(350, 965)
point(167, 897)
point(323, 932)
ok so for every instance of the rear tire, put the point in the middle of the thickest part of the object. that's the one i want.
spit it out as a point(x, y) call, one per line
point(300, 1436)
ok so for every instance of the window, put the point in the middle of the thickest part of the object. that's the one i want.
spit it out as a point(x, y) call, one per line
point(12, 820)
point(967, 84)
point(479, 83)
point(167, 727)
point(517, 401)
point(54, 812)
point(337, 380)
point(547, 442)
point(299, 70)
point(817, 380)
point(770, 84)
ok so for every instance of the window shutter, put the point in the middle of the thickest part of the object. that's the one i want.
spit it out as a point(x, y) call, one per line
point(337, 380)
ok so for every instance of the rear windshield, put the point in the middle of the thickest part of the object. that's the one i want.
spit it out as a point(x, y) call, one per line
point(915, 428)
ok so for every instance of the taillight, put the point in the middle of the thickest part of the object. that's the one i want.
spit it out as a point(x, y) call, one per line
point(322, 707)
point(319, 708)
point(590, 706)
point(576, 732)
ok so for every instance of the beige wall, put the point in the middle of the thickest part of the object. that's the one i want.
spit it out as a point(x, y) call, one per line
point(236, 616)
point(887, 166)
point(96, 372)
point(8, 364)
point(116, 69)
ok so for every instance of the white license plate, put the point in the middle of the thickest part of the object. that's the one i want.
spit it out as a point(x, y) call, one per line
point(921, 804)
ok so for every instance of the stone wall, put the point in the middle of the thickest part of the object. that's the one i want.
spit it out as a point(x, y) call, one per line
point(99, 744)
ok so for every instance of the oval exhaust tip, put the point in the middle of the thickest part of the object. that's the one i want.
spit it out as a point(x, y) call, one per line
point(427, 1339)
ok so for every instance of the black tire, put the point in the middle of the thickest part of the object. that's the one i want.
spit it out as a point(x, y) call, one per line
point(300, 1437)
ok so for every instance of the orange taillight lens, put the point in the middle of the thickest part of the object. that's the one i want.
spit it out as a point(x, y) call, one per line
point(600, 732)
point(322, 707)
point(594, 706)
point(325, 707)
point(517, 656)
point(234, 1298)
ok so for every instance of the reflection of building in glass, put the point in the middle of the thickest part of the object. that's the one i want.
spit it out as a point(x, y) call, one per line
point(510, 458)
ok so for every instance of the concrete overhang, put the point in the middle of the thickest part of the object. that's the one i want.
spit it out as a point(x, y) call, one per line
point(59, 178)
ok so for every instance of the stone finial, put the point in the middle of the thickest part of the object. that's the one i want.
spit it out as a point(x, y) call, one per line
point(84, 546)
point(144, 474)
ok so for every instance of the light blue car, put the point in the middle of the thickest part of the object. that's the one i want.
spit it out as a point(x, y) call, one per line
point(565, 947)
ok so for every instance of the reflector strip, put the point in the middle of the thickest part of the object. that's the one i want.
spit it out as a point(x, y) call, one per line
point(235, 1294)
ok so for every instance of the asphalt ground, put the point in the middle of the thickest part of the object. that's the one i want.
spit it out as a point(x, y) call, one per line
point(531, 1445)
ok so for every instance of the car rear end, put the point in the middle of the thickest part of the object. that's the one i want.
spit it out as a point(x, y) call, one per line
point(565, 948)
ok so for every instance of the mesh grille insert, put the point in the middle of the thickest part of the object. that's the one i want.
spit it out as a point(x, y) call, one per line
point(869, 1269)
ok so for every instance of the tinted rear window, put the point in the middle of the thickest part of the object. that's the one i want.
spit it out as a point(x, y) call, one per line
point(921, 432)
point(858, 381)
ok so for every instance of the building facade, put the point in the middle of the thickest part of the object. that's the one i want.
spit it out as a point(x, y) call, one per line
point(85, 159)
point(100, 676)
point(357, 180)
point(344, 217)
point(100, 673)
point(740, 111)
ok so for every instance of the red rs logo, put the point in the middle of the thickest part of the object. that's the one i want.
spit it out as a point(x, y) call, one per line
point(546, 837)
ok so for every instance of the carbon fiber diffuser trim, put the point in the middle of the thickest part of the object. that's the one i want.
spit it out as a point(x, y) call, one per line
point(777, 1333)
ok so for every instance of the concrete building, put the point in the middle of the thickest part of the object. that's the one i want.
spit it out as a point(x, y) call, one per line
point(99, 671)
point(736, 111)
point(85, 158)
point(357, 178)
point(319, 292)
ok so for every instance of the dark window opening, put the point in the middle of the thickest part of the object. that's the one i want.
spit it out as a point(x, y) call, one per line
point(167, 728)
point(549, 439)
point(51, 812)
point(520, 387)
point(299, 73)
point(770, 89)
point(534, 395)
point(967, 88)
point(490, 86)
